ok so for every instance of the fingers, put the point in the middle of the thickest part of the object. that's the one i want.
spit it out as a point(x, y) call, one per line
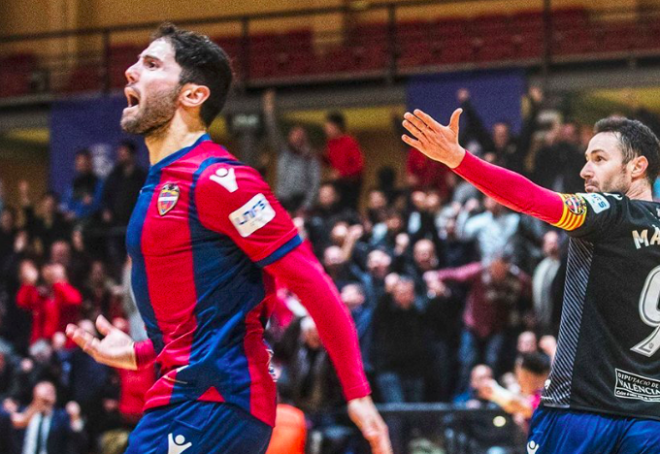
point(417, 123)
point(412, 142)
point(427, 119)
point(103, 325)
point(453, 122)
point(83, 339)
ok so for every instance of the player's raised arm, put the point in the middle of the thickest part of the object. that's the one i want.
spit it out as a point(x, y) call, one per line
point(234, 200)
point(440, 143)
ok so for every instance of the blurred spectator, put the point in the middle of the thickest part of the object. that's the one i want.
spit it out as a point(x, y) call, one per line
point(298, 167)
point(497, 299)
point(53, 304)
point(400, 348)
point(7, 373)
point(493, 229)
point(499, 146)
point(470, 398)
point(443, 327)
point(547, 319)
point(423, 173)
point(7, 234)
point(120, 194)
point(47, 224)
point(527, 343)
point(48, 429)
point(532, 370)
point(7, 438)
point(88, 382)
point(548, 345)
point(83, 198)
point(345, 158)
point(101, 295)
point(308, 378)
point(557, 165)
point(75, 260)
point(354, 298)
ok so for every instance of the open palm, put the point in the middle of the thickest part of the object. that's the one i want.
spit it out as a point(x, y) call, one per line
point(115, 349)
point(436, 141)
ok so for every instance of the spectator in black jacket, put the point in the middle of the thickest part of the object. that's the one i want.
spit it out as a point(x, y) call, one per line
point(120, 194)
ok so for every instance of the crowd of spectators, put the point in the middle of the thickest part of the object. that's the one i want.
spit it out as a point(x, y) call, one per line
point(455, 298)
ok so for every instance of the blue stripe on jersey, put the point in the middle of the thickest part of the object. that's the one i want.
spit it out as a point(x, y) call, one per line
point(281, 252)
point(228, 286)
point(138, 269)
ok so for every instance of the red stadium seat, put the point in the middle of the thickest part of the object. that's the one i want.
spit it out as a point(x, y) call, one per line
point(414, 54)
point(16, 73)
point(573, 42)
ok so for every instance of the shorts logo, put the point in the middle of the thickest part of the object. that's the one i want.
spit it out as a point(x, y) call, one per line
point(575, 205)
point(176, 445)
point(532, 447)
point(169, 195)
point(225, 178)
point(252, 216)
point(597, 202)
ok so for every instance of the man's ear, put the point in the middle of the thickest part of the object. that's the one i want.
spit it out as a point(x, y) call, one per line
point(193, 95)
point(639, 166)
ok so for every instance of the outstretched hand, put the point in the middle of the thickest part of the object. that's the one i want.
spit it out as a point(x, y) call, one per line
point(115, 349)
point(364, 414)
point(436, 141)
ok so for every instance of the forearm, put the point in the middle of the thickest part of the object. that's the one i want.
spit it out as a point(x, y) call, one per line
point(511, 189)
point(300, 271)
point(67, 294)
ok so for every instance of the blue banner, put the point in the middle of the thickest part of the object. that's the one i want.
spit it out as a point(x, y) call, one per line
point(495, 94)
point(87, 123)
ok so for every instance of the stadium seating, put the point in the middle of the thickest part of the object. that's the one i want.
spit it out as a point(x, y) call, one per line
point(367, 48)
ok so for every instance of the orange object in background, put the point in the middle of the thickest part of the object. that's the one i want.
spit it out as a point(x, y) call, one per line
point(290, 431)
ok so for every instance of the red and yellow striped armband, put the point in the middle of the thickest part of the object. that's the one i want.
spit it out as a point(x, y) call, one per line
point(574, 212)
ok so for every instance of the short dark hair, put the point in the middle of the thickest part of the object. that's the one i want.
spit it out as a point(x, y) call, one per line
point(130, 146)
point(636, 139)
point(536, 363)
point(202, 62)
point(337, 119)
point(84, 152)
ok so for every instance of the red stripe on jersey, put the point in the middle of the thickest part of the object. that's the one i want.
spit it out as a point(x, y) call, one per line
point(263, 399)
point(170, 283)
point(211, 395)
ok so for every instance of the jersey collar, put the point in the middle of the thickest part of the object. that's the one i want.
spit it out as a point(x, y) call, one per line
point(178, 154)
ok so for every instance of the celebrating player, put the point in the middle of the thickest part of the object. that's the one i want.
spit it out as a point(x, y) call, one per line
point(603, 394)
point(206, 239)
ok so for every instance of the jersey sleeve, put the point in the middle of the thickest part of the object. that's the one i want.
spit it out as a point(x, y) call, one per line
point(234, 200)
point(588, 215)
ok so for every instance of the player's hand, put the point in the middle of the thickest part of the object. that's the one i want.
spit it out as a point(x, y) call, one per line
point(115, 349)
point(436, 141)
point(364, 414)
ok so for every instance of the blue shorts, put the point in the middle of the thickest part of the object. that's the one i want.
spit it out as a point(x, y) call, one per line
point(555, 431)
point(199, 428)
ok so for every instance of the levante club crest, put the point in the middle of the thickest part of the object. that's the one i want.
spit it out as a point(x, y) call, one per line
point(169, 195)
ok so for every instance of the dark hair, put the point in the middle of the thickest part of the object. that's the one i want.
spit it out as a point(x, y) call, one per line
point(130, 146)
point(337, 119)
point(536, 363)
point(202, 62)
point(84, 152)
point(636, 139)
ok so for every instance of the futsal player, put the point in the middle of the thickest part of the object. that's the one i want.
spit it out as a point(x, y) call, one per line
point(603, 394)
point(207, 239)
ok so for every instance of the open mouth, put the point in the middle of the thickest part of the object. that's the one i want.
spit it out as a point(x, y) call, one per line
point(132, 98)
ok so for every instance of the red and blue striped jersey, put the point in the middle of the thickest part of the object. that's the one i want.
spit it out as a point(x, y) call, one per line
point(203, 228)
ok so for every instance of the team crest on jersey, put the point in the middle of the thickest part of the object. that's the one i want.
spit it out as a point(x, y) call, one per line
point(575, 205)
point(169, 195)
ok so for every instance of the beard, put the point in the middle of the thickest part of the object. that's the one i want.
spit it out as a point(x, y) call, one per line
point(154, 115)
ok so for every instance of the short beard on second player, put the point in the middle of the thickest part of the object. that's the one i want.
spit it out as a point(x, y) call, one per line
point(155, 115)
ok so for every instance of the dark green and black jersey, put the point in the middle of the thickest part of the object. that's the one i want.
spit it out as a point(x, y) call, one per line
point(608, 357)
